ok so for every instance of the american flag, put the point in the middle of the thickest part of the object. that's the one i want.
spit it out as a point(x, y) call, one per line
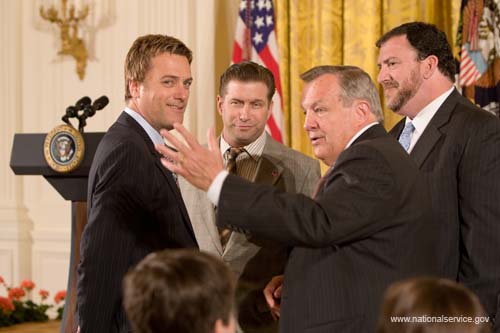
point(255, 40)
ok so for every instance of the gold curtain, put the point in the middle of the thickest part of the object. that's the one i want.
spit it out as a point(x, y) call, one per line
point(343, 32)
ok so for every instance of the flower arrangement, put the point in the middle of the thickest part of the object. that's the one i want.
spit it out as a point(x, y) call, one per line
point(17, 307)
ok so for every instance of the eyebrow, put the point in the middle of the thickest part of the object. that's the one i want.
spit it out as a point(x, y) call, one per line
point(385, 61)
point(175, 77)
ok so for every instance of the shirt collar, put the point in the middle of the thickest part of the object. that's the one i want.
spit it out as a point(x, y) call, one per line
point(357, 135)
point(423, 118)
point(254, 149)
point(152, 133)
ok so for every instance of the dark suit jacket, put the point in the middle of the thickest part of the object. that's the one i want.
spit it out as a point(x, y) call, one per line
point(368, 227)
point(252, 262)
point(134, 208)
point(459, 155)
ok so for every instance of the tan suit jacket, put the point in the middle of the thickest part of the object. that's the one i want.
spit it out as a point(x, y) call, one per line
point(253, 261)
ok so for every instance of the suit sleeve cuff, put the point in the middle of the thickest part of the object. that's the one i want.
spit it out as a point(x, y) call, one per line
point(215, 188)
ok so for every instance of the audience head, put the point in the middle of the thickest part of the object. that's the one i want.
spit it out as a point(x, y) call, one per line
point(338, 101)
point(431, 305)
point(182, 291)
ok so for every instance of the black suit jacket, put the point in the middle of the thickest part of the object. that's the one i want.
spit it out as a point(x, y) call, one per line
point(459, 155)
point(368, 227)
point(134, 208)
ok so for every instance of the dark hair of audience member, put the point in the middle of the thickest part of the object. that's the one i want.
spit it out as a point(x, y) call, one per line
point(442, 299)
point(181, 291)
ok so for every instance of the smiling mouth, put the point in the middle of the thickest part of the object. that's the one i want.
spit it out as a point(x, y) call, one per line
point(244, 126)
point(176, 107)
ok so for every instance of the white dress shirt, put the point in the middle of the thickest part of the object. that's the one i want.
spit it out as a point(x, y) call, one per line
point(423, 118)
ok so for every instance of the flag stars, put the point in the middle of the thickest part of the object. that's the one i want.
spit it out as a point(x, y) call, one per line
point(243, 5)
point(257, 38)
point(269, 5)
point(259, 22)
point(261, 4)
point(269, 20)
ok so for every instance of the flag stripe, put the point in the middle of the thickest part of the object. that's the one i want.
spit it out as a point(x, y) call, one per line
point(255, 29)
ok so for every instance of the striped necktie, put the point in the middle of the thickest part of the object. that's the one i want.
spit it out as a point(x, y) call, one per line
point(231, 156)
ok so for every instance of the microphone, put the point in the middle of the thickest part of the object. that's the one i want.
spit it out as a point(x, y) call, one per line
point(70, 113)
point(82, 103)
point(100, 103)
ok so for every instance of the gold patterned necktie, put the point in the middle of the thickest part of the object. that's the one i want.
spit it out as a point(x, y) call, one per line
point(231, 155)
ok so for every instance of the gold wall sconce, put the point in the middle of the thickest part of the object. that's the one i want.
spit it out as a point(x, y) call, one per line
point(68, 21)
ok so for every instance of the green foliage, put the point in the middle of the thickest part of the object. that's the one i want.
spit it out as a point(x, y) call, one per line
point(24, 312)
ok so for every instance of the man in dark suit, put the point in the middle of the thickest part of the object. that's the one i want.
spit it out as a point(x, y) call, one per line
point(367, 226)
point(456, 145)
point(134, 204)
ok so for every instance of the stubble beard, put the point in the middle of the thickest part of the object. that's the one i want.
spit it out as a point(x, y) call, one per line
point(406, 91)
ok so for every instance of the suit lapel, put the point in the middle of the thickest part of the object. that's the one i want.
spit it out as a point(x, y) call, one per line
point(432, 132)
point(130, 122)
point(268, 173)
point(269, 170)
point(203, 223)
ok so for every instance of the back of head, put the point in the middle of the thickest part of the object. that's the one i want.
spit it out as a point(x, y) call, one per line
point(145, 48)
point(431, 305)
point(182, 291)
point(355, 84)
point(427, 40)
point(248, 71)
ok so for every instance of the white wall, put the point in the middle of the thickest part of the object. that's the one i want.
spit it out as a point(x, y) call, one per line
point(37, 85)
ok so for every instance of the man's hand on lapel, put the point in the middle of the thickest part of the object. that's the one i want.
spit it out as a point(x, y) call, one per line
point(195, 163)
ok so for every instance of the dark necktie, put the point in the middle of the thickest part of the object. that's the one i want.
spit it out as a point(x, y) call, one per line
point(321, 183)
point(231, 156)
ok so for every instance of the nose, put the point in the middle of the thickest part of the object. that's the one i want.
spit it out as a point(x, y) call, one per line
point(244, 113)
point(310, 122)
point(382, 75)
point(182, 92)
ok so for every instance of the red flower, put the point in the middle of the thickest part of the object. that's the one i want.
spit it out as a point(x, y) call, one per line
point(16, 293)
point(1, 280)
point(27, 284)
point(6, 304)
point(60, 296)
point(43, 294)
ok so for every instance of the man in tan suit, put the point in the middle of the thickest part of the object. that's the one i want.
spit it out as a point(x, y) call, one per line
point(245, 103)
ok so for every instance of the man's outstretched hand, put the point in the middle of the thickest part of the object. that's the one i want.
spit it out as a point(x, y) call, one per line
point(197, 164)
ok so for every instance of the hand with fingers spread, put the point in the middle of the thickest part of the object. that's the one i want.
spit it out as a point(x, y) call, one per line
point(197, 164)
point(272, 293)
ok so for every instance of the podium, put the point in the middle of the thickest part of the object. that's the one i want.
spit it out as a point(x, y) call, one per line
point(27, 158)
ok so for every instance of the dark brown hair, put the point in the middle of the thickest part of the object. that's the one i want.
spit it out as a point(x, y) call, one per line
point(248, 71)
point(145, 48)
point(422, 299)
point(182, 291)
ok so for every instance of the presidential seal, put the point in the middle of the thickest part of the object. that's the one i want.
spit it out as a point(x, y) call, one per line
point(64, 148)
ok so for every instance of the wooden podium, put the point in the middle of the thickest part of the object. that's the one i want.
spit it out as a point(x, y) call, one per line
point(27, 158)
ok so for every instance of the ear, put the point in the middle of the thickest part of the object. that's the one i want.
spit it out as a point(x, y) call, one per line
point(220, 101)
point(270, 109)
point(133, 87)
point(221, 328)
point(362, 111)
point(430, 65)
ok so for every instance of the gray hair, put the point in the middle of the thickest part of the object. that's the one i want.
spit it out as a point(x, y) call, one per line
point(354, 83)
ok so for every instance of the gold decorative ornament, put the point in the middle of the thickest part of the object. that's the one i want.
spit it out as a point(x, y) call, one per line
point(68, 22)
point(64, 148)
